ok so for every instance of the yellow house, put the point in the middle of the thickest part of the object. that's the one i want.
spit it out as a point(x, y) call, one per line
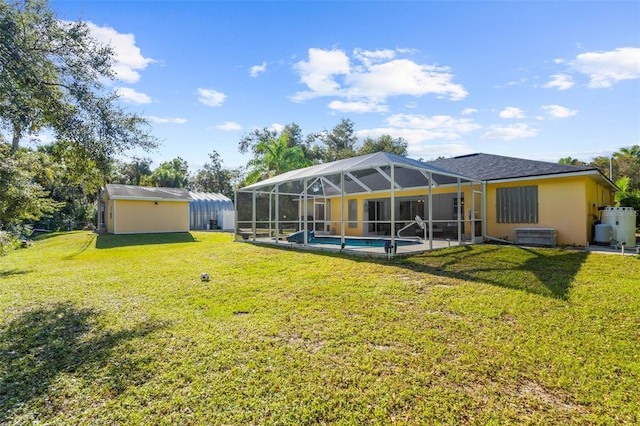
point(472, 198)
point(522, 193)
point(128, 209)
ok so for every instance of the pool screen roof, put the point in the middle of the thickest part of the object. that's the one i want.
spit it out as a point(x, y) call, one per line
point(363, 174)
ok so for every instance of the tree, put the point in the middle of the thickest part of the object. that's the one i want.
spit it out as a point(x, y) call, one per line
point(384, 143)
point(626, 162)
point(22, 197)
point(214, 178)
point(51, 76)
point(171, 174)
point(571, 161)
point(340, 142)
point(74, 184)
point(250, 142)
point(132, 173)
point(274, 157)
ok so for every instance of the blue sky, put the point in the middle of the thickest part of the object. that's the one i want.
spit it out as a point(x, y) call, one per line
point(540, 80)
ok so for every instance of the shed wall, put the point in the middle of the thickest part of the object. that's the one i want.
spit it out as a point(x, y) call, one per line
point(137, 217)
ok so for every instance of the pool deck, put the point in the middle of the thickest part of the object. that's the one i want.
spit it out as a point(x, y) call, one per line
point(362, 251)
point(408, 250)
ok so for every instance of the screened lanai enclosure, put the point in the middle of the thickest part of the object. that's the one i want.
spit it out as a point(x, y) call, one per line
point(379, 199)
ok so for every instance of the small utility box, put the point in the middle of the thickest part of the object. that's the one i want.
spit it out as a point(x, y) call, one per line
point(545, 237)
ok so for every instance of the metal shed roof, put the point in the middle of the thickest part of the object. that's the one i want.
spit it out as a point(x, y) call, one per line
point(133, 192)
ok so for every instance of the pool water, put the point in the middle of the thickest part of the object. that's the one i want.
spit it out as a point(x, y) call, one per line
point(349, 241)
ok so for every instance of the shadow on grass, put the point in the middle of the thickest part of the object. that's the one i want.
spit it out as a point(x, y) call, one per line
point(545, 272)
point(89, 239)
point(11, 272)
point(107, 241)
point(42, 344)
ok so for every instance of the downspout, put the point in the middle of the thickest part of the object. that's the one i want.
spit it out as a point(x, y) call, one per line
point(484, 217)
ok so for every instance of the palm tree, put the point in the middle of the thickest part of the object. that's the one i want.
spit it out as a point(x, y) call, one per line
point(571, 161)
point(627, 163)
point(628, 151)
point(274, 157)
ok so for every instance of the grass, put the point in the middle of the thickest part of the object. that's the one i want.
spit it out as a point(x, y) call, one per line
point(121, 330)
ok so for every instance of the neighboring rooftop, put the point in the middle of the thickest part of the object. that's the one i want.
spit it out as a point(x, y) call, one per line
point(132, 192)
point(487, 167)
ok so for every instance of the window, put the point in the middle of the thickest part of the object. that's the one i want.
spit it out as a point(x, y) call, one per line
point(352, 213)
point(517, 204)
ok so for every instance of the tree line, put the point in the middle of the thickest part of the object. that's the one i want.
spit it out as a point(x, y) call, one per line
point(622, 168)
point(54, 77)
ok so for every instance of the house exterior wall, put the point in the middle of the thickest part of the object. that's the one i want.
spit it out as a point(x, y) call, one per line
point(359, 229)
point(567, 204)
point(143, 216)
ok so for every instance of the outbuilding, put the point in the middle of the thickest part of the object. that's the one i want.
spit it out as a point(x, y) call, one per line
point(209, 210)
point(129, 209)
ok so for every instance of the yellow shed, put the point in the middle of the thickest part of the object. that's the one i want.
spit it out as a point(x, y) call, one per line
point(129, 209)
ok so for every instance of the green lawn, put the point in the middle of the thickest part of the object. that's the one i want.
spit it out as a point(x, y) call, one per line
point(121, 330)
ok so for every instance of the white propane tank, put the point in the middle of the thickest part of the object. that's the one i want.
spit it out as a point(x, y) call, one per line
point(623, 224)
point(603, 234)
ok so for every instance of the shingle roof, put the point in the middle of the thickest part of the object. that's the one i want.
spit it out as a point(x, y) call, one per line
point(495, 167)
point(132, 192)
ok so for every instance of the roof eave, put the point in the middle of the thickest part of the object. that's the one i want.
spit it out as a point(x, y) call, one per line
point(595, 173)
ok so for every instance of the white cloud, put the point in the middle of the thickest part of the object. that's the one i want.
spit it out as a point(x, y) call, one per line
point(369, 57)
point(512, 83)
point(211, 97)
point(255, 70)
point(161, 120)
point(277, 127)
point(607, 68)
point(560, 81)
point(229, 126)
point(128, 58)
point(375, 76)
point(469, 111)
point(357, 107)
point(319, 71)
point(557, 111)
point(129, 95)
point(417, 140)
point(431, 152)
point(403, 77)
point(514, 131)
point(511, 112)
point(418, 129)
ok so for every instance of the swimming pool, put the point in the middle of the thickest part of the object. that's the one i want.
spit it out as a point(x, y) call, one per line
point(298, 237)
